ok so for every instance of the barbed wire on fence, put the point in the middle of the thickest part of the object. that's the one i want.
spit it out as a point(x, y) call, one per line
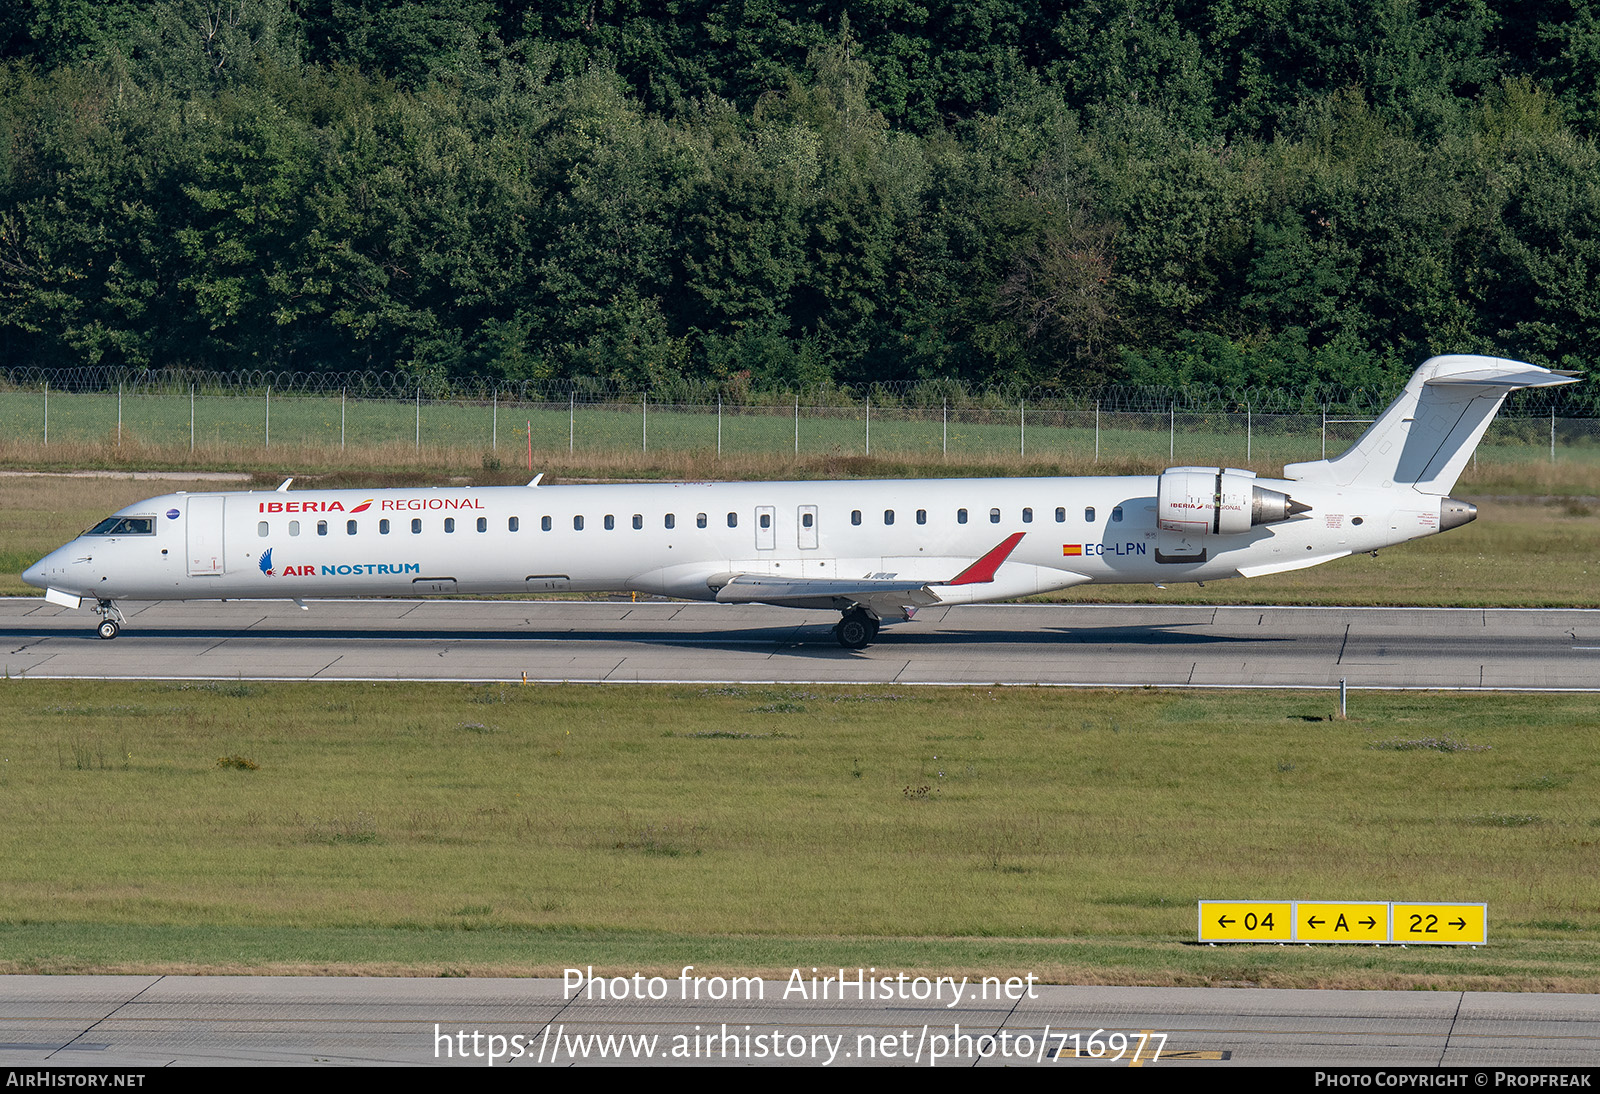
point(1567, 402)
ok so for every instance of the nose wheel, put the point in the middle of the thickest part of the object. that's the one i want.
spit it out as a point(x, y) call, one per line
point(857, 629)
point(110, 619)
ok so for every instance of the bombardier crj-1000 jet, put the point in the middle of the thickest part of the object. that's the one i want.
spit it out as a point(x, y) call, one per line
point(872, 550)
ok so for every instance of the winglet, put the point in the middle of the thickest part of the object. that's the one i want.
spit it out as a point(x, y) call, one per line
point(283, 487)
point(536, 479)
point(982, 571)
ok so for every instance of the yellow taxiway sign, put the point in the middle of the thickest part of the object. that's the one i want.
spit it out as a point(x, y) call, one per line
point(1246, 921)
point(1442, 924)
point(1366, 921)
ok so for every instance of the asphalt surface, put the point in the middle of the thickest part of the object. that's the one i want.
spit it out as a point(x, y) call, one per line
point(624, 642)
point(156, 1021)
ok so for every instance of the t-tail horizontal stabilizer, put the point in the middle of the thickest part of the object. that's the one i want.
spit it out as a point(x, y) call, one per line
point(1426, 436)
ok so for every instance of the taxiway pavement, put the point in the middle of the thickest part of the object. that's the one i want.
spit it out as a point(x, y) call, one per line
point(659, 641)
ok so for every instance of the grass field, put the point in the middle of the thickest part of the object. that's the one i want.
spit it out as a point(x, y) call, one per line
point(444, 830)
point(428, 829)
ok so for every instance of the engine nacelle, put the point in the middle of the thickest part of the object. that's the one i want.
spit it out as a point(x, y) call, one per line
point(1218, 501)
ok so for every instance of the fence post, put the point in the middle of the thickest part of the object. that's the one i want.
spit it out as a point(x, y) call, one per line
point(719, 425)
point(1097, 431)
point(572, 419)
point(869, 425)
point(1022, 429)
point(494, 422)
point(1324, 430)
point(1172, 431)
point(119, 413)
point(191, 419)
point(797, 427)
point(1249, 432)
point(1552, 435)
point(644, 422)
point(47, 413)
point(269, 417)
point(343, 394)
point(417, 444)
point(945, 440)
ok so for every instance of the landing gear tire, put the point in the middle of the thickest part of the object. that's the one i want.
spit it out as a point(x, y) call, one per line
point(856, 630)
point(110, 619)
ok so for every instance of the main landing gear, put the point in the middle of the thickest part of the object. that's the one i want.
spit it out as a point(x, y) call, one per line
point(110, 619)
point(857, 630)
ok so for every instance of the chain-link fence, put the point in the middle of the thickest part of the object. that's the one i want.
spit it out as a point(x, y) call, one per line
point(1189, 425)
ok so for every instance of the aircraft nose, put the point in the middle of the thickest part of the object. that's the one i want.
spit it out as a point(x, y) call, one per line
point(34, 575)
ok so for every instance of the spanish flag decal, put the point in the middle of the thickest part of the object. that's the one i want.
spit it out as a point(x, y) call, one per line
point(1072, 550)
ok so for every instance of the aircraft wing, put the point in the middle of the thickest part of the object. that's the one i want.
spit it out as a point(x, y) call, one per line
point(885, 596)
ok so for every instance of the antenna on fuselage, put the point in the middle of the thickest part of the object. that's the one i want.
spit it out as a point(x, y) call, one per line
point(284, 487)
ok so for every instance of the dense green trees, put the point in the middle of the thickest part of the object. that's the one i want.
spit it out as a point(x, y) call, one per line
point(786, 192)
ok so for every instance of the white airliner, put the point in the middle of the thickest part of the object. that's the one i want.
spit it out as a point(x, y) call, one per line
point(873, 550)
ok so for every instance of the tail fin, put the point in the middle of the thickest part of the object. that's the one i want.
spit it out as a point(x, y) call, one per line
point(1426, 436)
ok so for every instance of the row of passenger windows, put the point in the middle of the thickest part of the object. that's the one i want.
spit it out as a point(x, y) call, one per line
point(263, 528)
point(994, 515)
point(670, 520)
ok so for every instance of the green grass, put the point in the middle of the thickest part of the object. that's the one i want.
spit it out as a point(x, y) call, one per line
point(420, 828)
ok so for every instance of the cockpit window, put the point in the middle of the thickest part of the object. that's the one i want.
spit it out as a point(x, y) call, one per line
point(124, 526)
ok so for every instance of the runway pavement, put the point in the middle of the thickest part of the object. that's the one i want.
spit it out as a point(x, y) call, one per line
point(625, 642)
point(156, 1021)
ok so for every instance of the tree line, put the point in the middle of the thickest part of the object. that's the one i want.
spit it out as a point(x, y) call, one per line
point(791, 193)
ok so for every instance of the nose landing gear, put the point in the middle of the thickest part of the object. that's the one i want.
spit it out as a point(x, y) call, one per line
point(857, 630)
point(110, 619)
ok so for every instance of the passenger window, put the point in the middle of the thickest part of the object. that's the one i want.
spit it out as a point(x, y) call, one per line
point(922, 516)
point(294, 528)
point(994, 516)
point(888, 516)
point(261, 529)
point(1027, 516)
point(349, 527)
point(961, 516)
point(808, 520)
point(416, 526)
point(611, 523)
point(577, 524)
point(383, 527)
point(483, 524)
point(1061, 514)
point(322, 528)
point(544, 524)
point(766, 520)
point(733, 520)
point(638, 520)
point(671, 521)
point(449, 524)
point(1088, 514)
point(513, 524)
point(1116, 514)
point(855, 516)
point(700, 520)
